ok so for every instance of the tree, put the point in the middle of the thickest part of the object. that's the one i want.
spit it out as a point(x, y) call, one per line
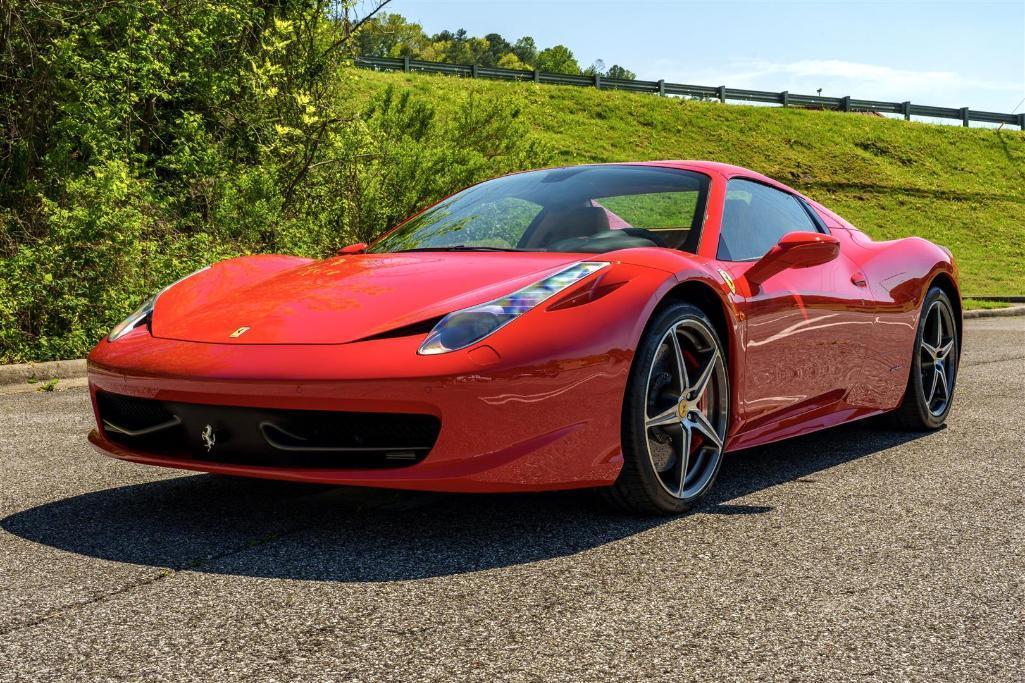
point(558, 59)
point(435, 51)
point(455, 48)
point(525, 50)
point(497, 48)
point(390, 35)
point(596, 69)
point(617, 71)
point(511, 61)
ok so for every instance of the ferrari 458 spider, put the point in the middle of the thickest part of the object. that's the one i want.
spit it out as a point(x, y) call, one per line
point(614, 326)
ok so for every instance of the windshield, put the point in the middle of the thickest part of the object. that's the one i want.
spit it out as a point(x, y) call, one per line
point(590, 209)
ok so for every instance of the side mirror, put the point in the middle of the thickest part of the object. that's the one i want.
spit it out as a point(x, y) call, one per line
point(358, 248)
point(794, 250)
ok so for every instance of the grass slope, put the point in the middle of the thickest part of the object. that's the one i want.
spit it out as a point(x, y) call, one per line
point(963, 188)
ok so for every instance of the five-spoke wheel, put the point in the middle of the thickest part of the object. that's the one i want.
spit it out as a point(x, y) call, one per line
point(685, 417)
point(937, 367)
point(933, 366)
point(676, 414)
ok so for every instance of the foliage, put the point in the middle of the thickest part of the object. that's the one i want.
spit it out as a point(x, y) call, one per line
point(511, 61)
point(558, 59)
point(142, 140)
point(614, 71)
point(391, 35)
point(620, 72)
point(525, 50)
point(49, 385)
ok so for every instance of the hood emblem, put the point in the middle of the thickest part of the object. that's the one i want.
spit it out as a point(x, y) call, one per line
point(239, 332)
point(209, 438)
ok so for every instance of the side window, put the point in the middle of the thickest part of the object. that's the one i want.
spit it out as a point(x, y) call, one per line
point(754, 217)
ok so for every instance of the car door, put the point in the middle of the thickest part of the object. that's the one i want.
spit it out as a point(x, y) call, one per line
point(801, 327)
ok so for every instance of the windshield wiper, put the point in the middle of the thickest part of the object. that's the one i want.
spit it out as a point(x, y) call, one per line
point(461, 247)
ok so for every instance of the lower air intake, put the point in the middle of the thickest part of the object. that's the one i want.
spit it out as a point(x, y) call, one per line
point(265, 436)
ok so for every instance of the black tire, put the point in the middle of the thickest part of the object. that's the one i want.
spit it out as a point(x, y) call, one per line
point(921, 409)
point(640, 487)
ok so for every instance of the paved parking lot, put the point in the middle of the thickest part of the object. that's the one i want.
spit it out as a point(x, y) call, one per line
point(859, 553)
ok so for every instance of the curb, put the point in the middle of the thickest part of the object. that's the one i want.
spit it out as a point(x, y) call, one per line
point(21, 373)
point(994, 312)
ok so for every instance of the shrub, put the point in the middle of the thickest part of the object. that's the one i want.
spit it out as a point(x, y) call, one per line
point(141, 143)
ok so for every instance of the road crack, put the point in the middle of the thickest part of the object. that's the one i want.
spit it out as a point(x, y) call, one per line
point(991, 362)
point(159, 577)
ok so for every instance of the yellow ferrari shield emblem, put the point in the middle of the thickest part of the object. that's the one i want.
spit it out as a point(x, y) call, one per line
point(729, 281)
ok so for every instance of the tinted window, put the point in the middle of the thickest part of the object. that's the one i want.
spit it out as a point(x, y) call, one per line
point(502, 222)
point(754, 217)
point(656, 211)
point(578, 209)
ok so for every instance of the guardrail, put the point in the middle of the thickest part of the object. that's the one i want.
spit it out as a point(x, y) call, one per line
point(721, 93)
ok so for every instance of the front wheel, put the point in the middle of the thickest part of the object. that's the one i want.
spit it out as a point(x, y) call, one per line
point(930, 389)
point(675, 414)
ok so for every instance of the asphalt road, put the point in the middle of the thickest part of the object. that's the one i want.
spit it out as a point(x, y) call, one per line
point(856, 554)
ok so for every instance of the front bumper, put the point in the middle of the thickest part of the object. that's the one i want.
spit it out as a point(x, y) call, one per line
point(506, 424)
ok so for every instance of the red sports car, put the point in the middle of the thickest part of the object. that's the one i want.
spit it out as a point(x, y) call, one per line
point(617, 326)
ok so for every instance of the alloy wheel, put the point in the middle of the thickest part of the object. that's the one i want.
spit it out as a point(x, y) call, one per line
point(937, 363)
point(686, 410)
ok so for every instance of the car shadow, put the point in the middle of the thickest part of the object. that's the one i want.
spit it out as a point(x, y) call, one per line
point(222, 525)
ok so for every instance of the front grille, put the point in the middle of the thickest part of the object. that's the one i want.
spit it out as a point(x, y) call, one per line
point(132, 413)
point(266, 436)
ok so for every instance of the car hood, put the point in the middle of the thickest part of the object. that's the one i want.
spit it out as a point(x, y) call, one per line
point(286, 300)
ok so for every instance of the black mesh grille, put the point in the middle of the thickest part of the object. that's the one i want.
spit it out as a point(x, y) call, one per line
point(132, 413)
point(270, 437)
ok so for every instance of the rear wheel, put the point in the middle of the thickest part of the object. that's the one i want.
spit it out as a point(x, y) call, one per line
point(675, 415)
point(930, 389)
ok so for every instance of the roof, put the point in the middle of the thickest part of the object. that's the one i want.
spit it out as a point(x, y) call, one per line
point(726, 170)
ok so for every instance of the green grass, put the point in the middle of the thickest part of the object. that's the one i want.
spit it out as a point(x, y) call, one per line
point(963, 188)
point(977, 304)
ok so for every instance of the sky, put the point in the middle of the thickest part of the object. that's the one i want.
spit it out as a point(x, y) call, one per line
point(949, 54)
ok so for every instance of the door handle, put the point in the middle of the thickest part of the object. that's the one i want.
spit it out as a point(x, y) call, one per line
point(858, 279)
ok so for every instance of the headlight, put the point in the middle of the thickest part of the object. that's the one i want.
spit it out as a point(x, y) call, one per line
point(143, 312)
point(462, 328)
point(134, 320)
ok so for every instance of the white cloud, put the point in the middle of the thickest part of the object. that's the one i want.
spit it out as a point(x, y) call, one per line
point(866, 75)
point(857, 79)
